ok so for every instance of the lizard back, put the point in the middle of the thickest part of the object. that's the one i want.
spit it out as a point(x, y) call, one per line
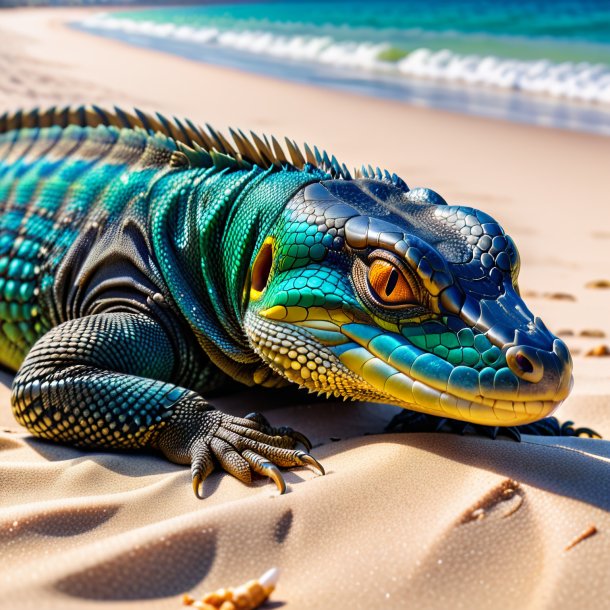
point(56, 185)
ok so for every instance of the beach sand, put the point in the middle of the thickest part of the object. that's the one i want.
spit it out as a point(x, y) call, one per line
point(399, 521)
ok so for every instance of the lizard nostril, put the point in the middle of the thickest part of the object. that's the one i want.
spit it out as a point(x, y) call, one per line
point(524, 364)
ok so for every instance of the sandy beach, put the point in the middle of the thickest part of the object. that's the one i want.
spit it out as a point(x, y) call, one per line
point(400, 521)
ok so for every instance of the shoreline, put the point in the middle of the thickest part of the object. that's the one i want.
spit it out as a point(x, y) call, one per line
point(482, 101)
point(525, 91)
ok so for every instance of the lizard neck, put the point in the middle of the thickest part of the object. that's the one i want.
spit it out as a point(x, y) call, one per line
point(206, 227)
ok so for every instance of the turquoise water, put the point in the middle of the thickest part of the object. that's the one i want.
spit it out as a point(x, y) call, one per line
point(524, 60)
point(565, 30)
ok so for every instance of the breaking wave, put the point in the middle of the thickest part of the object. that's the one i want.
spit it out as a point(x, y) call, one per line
point(579, 81)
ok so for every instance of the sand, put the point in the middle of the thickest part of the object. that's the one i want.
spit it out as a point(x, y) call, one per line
point(400, 521)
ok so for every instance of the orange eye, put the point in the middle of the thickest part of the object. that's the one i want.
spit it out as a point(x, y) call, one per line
point(389, 283)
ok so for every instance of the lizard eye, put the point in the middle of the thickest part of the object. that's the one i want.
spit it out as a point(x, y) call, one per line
point(261, 269)
point(389, 283)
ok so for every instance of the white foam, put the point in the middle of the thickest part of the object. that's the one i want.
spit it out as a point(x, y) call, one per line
point(575, 81)
point(578, 81)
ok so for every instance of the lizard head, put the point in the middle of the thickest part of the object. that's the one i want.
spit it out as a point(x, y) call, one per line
point(366, 289)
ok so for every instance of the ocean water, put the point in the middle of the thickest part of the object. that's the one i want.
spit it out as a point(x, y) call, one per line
point(544, 62)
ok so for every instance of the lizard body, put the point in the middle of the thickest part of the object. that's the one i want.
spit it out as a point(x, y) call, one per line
point(143, 262)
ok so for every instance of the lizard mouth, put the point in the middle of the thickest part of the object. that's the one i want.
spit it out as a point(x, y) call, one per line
point(331, 352)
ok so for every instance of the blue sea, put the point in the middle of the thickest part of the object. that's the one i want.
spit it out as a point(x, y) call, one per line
point(544, 62)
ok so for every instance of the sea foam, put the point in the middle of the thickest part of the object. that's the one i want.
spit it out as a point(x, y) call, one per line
point(581, 81)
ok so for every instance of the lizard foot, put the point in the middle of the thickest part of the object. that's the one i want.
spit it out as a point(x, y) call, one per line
point(551, 426)
point(205, 437)
point(412, 421)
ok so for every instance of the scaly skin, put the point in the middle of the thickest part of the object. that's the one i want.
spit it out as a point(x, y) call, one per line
point(144, 263)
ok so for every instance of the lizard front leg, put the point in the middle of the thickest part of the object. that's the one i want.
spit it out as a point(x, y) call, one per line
point(105, 381)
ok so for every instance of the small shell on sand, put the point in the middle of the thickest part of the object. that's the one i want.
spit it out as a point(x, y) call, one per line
point(248, 596)
point(559, 296)
point(590, 531)
point(565, 332)
point(599, 351)
point(598, 284)
point(592, 333)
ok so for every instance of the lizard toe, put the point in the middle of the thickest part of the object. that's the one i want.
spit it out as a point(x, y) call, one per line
point(266, 468)
point(260, 422)
point(259, 419)
point(295, 435)
point(231, 460)
point(276, 440)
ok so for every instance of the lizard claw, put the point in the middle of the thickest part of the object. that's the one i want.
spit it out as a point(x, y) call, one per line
point(310, 460)
point(285, 431)
point(588, 432)
point(266, 468)
point(202, 465)
point(198, 486)
point(297, 436)
point(273, 472)
point(259, 418)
